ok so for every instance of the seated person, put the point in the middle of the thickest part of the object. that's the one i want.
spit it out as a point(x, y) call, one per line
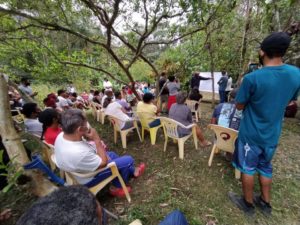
point(59, 206)
point(74, 154)
point(50, 119)
point(116, 110)
point(148, 110)
point(182, 114)
point(50, 101)
point(107, 93)
point(97, 97)
point(31, 112)
point(195, 96)
point(62, 99)
point(226, 114)
point(122, 102)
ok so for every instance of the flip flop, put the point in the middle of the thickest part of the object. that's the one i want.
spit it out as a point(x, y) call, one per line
point(119, 192)
point(142, 168)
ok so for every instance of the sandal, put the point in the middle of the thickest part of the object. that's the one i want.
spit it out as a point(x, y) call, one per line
point(141, 168)
point(119, 192)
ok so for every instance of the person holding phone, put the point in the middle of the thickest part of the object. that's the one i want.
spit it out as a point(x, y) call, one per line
point(80, 149)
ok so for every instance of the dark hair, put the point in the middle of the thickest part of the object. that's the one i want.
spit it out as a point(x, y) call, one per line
point(163, 74)
point(148, 97)
point(107, 101)
point(117, 94)
point(23, 79)
point(96, 93)
point(171, 78)
point(46, 117)
point(223, 72)
point(74, 94)
point(29, 108)
point(74, 205)
point(60, 91)
point(72, 119)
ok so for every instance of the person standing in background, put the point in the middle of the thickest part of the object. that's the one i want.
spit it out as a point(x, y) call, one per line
point(222, 86)
point(195, 81)
point(228, 88)
point(107, 84)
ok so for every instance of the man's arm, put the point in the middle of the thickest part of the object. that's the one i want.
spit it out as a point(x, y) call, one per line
point(93, 135)
point(205, 78)
point(244, 94)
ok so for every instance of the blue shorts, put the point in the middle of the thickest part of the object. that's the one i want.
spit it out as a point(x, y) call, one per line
point(250, 159)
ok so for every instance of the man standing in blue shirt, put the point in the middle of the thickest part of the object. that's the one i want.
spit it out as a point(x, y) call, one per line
point(263, 96)
point(222, 86)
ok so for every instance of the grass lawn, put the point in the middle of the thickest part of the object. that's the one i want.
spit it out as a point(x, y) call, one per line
point(189, 185)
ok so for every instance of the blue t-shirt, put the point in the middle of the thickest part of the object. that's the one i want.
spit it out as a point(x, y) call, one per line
point(265, 94)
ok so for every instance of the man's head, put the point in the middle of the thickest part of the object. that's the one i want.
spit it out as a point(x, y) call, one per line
point(25, 81)
point(180, 98)
point(163, 74)
point(73, 122)
point(171, 78)
point(196, 74)
point(62, 93)
point(74, 205)
point(148, 98)
point(105, 79)
point(223, 72)
point(274, 46)
point(31, 110)
point(118, 95)
point(109, 93)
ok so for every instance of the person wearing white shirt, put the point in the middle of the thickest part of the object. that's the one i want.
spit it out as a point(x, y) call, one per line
point(228, 88)
point(62, 99)
point(80, 149)
point(107, 84)
point(32, 125)
point(116, 110)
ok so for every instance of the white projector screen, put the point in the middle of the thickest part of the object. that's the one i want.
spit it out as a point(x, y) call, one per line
point(206, 85)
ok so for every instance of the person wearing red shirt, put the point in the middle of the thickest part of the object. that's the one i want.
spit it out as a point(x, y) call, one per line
point(50, 119)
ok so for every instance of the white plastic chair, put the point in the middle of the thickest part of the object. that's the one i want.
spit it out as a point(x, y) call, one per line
point(116, 124)
point(226, 138)
point(194, 106)
point(70, 179)
point(170, 127)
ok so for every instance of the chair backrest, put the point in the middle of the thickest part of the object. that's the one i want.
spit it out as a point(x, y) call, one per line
point(225, 137)
point(192, 104)
point(115, 122)
point(170, 127)
point(37, 163)
point(144, 122)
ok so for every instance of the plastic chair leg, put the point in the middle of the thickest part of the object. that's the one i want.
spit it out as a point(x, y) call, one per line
point(123, 139)
point(143, 134)
point(115, 135)
point(137, 130)
point(195, 138)
point(181, 148)
point(166, 143)
point(237, 174)
point(196, 116)
point(212, 155)
point(98, 116)
point(153, 136)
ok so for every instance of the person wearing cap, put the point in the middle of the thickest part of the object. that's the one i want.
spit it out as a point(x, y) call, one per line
point(263, 96)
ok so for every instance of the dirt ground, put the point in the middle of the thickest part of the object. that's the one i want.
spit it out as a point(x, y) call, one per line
point(190, 185)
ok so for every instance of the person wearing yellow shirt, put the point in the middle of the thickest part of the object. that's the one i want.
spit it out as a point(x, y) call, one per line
point(148, 110)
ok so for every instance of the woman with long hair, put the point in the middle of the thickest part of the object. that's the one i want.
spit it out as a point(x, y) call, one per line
point(50, 119)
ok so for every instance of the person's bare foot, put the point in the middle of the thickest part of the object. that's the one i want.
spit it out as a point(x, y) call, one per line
point(5, 215)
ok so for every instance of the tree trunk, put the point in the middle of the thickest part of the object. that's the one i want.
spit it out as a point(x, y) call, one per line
point(245, 36)
point(212, 69)
point(14, 146)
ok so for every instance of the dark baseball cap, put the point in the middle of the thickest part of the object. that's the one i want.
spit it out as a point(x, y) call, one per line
point(276, 43)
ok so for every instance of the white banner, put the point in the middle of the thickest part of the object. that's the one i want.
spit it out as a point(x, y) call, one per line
point(206, 85)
